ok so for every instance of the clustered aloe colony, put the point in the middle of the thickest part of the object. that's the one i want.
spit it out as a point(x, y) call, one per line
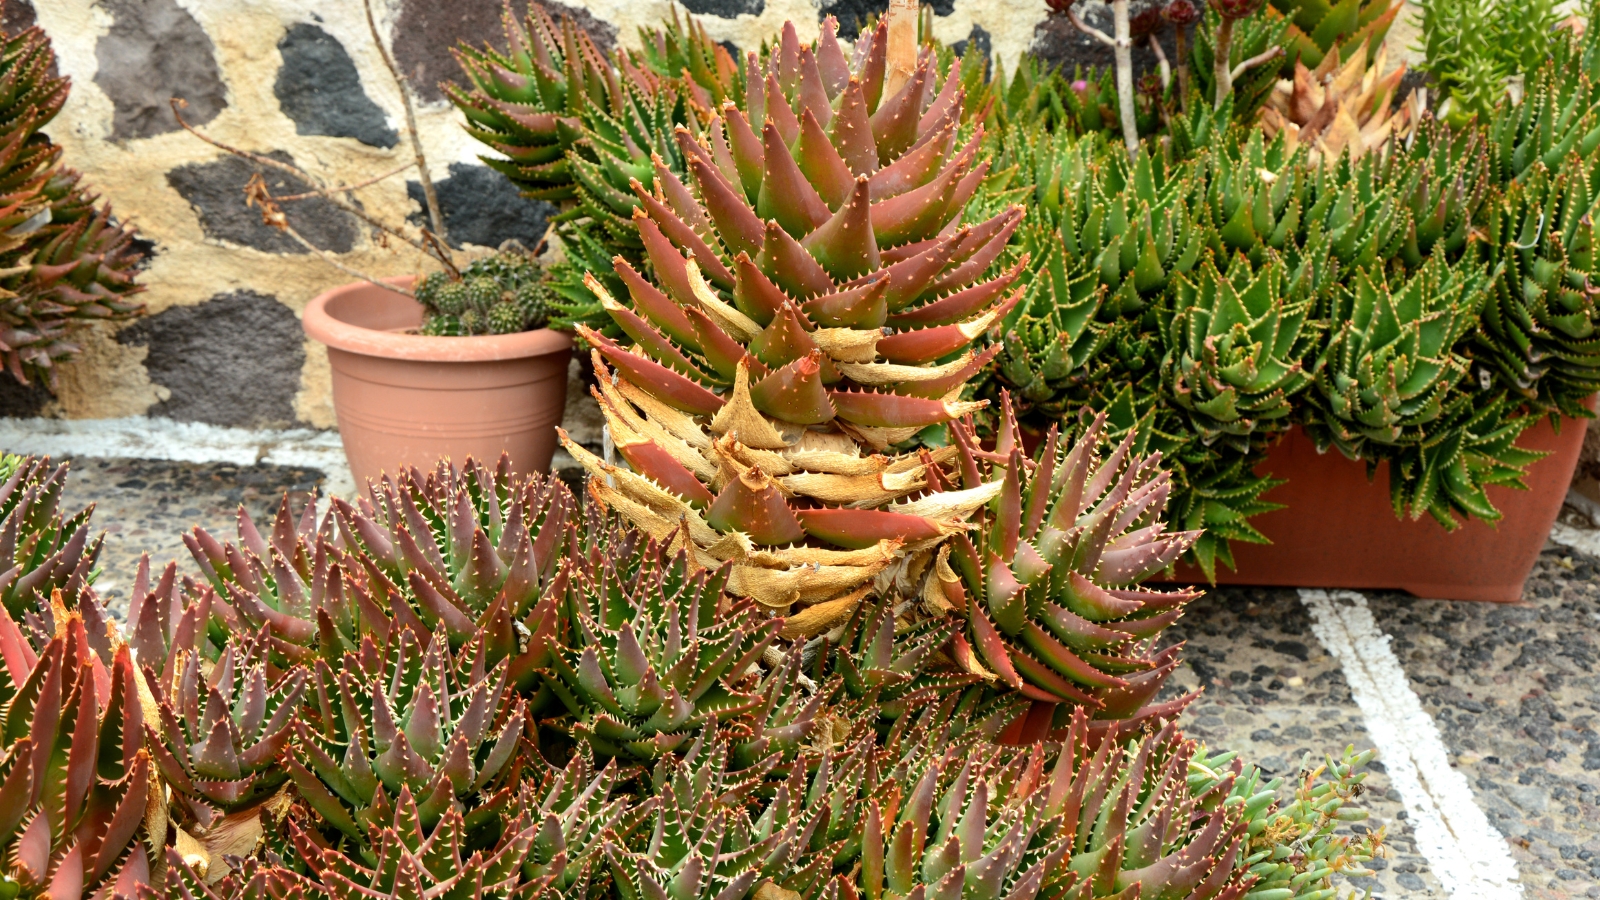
point(466, 683)
point(64, 259)
point(1312, 252)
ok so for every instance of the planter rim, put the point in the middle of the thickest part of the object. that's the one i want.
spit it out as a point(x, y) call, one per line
point(321, 325)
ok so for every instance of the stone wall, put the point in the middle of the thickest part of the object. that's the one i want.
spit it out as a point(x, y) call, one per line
point(301, 81)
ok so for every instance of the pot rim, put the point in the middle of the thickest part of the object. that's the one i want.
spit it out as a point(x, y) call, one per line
point(321, 325)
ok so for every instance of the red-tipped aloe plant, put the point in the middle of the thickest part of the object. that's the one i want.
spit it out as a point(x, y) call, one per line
point(816, 291)
point(1048, 581)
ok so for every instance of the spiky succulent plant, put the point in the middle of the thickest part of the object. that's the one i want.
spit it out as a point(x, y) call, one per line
point(1121, 236)
point(1390, 365)
point(698, 842)
point(404, 715)
point(223, 729)
point(1539, 328)
point(64, 261)
point(411, 860)
point(1048, 581)
point(1102, 819)
point(826, 307)
point(530, 100)
point(1558, 115)
point(1236, 349)
point(885, 666)
point(41, 549)
point(1318, 29)
point(75, 777)
point(459, 545)
point(649, 657)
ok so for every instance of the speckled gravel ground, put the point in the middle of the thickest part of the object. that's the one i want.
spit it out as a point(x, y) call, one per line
point(1513, 688)
point(145, 506)
point(1515, 693)
point(1274, 695)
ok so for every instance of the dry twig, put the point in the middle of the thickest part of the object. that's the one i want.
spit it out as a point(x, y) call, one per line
point(331, 193)
point(435, 217)
point(258, 196)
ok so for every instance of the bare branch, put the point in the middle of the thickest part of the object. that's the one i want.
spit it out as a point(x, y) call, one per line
point(1090, 30)
point(442, 252)
point(1252, 62)
point(331, 260)
point(344, 188)
point(435, 217)
point(1221, 74)
point(179, 103)
point(330, 193)
point(1161, 62)
point(1122, 50)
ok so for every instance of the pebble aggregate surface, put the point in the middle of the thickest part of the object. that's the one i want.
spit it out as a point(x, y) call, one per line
point(1513, 688)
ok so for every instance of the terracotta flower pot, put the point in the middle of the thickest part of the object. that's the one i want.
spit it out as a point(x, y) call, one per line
point(404, 399)
point(1340, 531)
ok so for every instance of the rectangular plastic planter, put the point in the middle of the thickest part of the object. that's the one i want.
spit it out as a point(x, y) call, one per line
point(1340, 531)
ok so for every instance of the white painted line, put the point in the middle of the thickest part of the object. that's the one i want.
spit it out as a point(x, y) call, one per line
point(140, 437)
point(1468, 855)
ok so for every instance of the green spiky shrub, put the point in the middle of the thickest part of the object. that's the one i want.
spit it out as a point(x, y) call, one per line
point(1474, 47)
point(64, 259)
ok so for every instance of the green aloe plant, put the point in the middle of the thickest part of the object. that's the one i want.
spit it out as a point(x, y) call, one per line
point(1238, 347)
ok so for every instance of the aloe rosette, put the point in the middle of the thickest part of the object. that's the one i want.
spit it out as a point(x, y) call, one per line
point(223, 730)
point(41, 548)
point(64, 259)
point(648, 655)
point(75, 776)
point(402, 716)
point(459, 543)
point(1048, 580)
point(1540, 327)
point(409, 860)
point(1388, 368)
point(1237, 348)
point(1084, 819)
point(825, 308)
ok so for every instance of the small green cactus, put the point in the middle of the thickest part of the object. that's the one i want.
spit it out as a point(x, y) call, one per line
point(499, 294)
point(450, 300)
point(483, 292)
point(505, 317)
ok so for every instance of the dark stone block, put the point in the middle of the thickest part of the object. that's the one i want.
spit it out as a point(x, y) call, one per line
point(1059, 44)
point(216, 191)
point(156, 51)
point(726, 9)
point(852, 14)
point(16, 16)
point(977, 39)
point(481, 206)
point(232, 360)
point(21, 401)
point(319, 88)
point(425, 31)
